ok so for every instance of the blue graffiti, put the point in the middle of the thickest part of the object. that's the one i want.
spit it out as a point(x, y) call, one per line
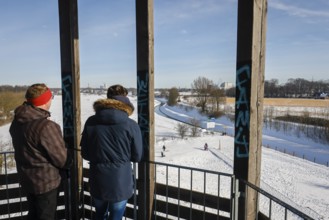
point(240, 139)
point(242, 122)
point(142, 85)
point(243, 72)
point(245, 69)
point(243, 118)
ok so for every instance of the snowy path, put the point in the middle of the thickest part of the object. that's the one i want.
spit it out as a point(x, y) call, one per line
point(302, 184)
point(298, 146)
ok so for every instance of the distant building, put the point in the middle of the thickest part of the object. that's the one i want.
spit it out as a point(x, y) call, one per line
point(226, 85)
point(103, 86)
point(321, 95)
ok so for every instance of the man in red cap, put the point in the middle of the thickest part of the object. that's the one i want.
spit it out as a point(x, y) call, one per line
point(40, 152)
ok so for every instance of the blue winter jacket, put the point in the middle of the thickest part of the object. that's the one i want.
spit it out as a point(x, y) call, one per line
point(110, 142)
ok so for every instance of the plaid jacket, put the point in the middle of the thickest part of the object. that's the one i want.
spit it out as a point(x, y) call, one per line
point(40, 150)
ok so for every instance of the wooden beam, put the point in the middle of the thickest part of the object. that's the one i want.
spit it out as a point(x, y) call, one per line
point(249, 100)
point(70, 74)
point(145, 94)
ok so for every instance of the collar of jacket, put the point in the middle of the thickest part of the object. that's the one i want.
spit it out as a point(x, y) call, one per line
point(27, 112)
point(112, 103)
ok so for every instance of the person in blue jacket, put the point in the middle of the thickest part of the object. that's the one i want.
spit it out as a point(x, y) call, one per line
point(110, 142)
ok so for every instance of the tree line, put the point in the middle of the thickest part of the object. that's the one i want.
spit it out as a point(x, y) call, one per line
point(293, 88)
point(9, 88)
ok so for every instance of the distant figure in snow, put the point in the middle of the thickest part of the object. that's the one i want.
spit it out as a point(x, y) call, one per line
point(164, 148)
point(206, 146)
point(162, 154)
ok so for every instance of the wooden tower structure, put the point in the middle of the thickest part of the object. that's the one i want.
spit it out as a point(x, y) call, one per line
point(248, 107)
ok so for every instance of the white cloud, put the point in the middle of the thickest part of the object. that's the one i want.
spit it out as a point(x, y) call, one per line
point(298, 11)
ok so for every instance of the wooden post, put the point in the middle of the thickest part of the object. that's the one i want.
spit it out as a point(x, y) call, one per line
point(145, 93)
point(70, 73)
point(249, 101)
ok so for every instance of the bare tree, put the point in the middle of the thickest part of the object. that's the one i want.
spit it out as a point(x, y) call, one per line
point(218, 96)
point(202, 87)
point(182, 129)
point(271, 88)
point(173, 95)
point(195, 131)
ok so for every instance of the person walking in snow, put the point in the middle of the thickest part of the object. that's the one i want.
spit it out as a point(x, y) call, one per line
point(40, 152)
point(164, 148)
point(206, 146)
point(110, 142)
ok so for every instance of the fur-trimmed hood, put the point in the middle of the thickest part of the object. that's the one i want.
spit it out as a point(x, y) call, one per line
point(117, 102)
point(110, 142)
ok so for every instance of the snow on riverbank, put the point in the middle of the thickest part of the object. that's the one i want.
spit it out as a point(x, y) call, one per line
point(294, 180)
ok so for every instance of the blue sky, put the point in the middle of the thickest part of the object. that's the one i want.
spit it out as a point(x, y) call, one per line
point(192, 38)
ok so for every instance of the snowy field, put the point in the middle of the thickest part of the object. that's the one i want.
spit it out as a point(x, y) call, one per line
point(301, 183)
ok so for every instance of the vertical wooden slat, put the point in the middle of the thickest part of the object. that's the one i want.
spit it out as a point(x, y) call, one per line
point(145, 93)
point(249, 100)
point(70, 73)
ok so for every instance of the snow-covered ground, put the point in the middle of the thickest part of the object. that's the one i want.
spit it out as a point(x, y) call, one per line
point(299, 182)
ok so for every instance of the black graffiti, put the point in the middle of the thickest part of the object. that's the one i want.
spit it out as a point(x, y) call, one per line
point(67, 101)
point(143, 107)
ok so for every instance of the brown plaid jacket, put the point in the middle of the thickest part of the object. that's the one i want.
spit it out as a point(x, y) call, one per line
point(40, 150)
